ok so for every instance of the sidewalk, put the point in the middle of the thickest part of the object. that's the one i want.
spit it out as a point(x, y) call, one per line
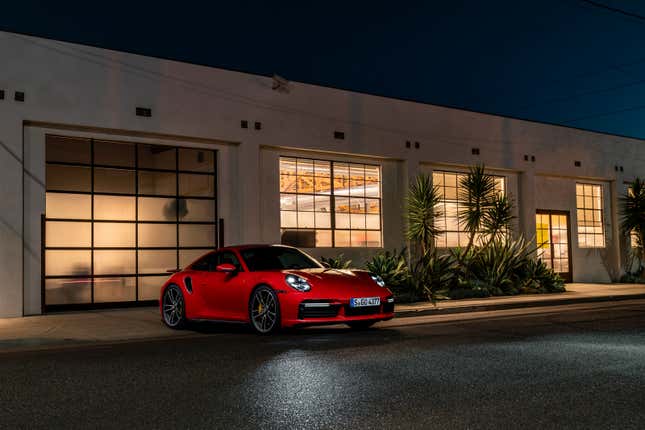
point(126, 325)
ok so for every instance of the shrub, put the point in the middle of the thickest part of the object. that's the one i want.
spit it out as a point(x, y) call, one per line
point(431, 273)
point(392, 267)
point(338, 262)
point(538, 278)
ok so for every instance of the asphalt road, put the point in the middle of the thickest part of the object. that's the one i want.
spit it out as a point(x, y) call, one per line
point(574, 369)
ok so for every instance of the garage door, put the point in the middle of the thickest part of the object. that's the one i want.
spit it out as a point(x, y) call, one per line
point(119, 215)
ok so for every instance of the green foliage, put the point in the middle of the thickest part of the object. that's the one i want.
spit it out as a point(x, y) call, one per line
point(476, 195)
point(632, 213)
point(498, 218)
point(392, 267)
point(338, 262)
point(538, 278)
point(431, 273)
point(422, 209)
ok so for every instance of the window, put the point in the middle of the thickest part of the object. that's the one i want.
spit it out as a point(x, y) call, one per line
point(209, 262)
point(329, 204)
point(589, 212)
point(449, 183)
point(119, 215)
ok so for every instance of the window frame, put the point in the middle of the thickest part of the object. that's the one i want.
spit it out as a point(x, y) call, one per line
point(600, 210)
point(333, 196)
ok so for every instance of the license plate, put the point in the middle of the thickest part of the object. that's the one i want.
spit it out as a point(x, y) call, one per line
point(364, 301)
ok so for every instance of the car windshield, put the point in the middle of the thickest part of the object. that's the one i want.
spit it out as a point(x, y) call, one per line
point(277, 258)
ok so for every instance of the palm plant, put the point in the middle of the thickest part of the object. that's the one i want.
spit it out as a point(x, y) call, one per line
point(432, 272)
point(422, 210)
point(497, 220)
point(392, 267)
point(477, 195)
point(632, 212)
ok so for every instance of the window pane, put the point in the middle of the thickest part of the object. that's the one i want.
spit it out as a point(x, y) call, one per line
point(196, 235)
point(299, 238)
point(114, 208)
point(114, 289)
point(305, 184)
point(113, 154)
point(68, 178)
point(342, 220)
point(288, 219)
point(287, 166)
point(342, 205)
point(288, 202)
point(357, 221)
point(196, 210)
point(323, 220)
point(341, 238)
point(341, 179)
point(305, 167)
point(114, 262)
point(188, 256)
point(74, 263)
point(114, 235)
point(373, 238)
point(373, 206)
point(196, 185)
point(158, 209)
point(373, 222)
point(196, 160)
point(150, 287)
point(71, 206)
point(305, 203)
point(157, 235)
point(323, 204)
point(306, 220)
point(323, 238)
point(68, 234)
point(288, 183)
point(68, 291)
point(157, 157)
point(357, 206)
point(157, 261)
point(68, 149)
point(322, 185)
point(113, 181)
point(322, 169)
point(157, 183)
point(358, 238)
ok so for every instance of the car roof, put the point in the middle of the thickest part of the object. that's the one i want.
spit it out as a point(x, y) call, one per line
point(248, 246)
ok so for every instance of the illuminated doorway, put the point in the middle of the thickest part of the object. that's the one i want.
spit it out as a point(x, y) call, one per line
point(554, 241)
point(119, 215)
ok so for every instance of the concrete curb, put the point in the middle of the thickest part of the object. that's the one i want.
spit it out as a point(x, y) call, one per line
point(513, 305)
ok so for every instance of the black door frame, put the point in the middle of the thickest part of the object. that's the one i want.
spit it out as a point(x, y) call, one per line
point(567, 276)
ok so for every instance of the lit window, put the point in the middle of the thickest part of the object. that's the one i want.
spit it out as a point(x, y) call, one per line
point(329, 204)
point(454, 234)
point(589, 213)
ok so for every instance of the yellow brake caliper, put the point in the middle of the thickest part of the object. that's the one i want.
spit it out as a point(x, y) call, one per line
point(259, 308)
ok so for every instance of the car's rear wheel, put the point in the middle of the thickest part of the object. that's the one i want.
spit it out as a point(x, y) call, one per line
point(173, 308)
point(264, 310)
point(361, 325)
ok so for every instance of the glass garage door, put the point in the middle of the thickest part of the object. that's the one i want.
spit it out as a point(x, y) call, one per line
point(120, 215)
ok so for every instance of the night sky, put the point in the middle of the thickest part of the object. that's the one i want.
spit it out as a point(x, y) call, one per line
point(558, 61)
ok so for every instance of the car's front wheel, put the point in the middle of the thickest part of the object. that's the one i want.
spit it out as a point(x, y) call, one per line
point(173, 307)
point(264, 310)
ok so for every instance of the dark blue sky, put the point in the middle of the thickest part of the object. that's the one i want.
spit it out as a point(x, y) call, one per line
point(559, 61)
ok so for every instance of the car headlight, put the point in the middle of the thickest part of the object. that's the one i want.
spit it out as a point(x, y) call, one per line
point(379, 281)
point(297, 283)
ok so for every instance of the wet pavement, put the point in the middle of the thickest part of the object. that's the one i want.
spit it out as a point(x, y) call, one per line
point(579, 368)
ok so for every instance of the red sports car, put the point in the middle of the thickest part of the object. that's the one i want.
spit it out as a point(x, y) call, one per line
point(273, 286)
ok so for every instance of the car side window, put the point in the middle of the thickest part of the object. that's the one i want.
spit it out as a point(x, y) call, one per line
point(206, 264)
point(227, 257)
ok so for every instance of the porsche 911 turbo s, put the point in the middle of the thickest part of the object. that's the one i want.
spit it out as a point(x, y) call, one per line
point(271, 287)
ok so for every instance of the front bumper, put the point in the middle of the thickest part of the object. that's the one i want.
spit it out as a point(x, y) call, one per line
point(332, 311)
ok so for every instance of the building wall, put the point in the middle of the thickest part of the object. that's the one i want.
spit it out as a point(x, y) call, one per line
point(79, 90)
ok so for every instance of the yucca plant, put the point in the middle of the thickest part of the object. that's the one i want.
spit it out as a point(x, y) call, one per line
point(536, 277)
point(432, 272)
point(392, 267)
point(422, 211)
point(497, 264)
point(337, 262)
point(632, 212)
point(498, 218)
point(476, 195)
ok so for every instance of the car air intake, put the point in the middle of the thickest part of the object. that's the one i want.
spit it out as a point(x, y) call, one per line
point(308, 310)
point(189, 284)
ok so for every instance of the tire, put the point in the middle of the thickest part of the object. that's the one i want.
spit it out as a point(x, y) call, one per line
point(173, 308)
point(361, 325)
point(264, 311)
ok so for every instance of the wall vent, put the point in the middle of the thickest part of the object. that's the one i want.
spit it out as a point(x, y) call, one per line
point(475, 151)
point(244, 124)
point(19, 96)
point(258, 125)
point(408, 144)
point(1, 94)
point(526, 158)
point(339, 135)
point(533, 158)
point(577, 163)
point(145, 112)
point(417, 145)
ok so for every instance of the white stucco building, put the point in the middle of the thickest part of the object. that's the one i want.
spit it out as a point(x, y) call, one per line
point(115, 167)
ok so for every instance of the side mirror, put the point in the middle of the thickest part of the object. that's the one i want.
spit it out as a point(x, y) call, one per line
point(225, 267)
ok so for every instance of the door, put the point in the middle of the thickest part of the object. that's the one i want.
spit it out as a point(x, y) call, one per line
point(553, 241)
point(225, 293)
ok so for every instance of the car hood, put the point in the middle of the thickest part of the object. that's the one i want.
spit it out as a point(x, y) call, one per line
point(339, 283)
